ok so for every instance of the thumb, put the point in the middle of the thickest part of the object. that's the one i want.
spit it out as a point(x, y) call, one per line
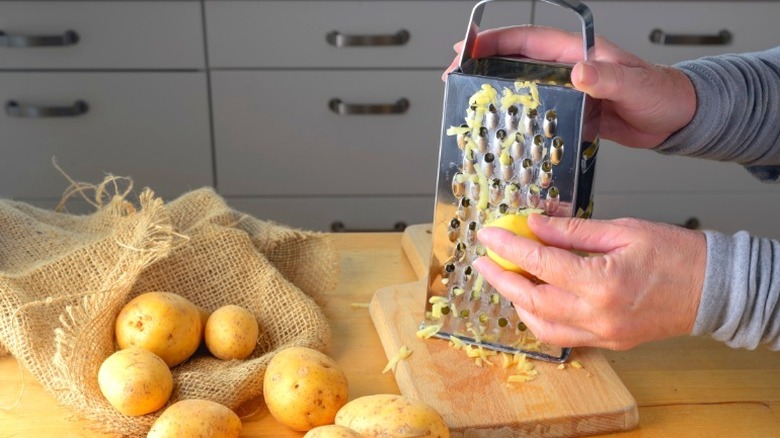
point(586, 235)
point(612, 81)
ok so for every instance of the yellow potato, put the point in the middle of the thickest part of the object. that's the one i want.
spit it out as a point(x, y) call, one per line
point(166, 324)
point(135, 381)
point(231, 332)
point(196, 419)
point(304, 388)
point(517, 224)
point(391, 415)
point(332, 431)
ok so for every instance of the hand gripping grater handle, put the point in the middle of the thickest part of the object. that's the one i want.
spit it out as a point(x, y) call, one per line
point(582, 11)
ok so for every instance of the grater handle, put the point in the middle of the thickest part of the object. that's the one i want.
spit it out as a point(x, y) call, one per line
point(581, 9)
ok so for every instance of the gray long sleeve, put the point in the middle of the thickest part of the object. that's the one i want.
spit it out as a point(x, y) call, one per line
point(737, 119)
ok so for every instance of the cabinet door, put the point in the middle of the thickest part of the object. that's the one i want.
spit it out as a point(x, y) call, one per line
point(152, 127)
point(327, 132)
point(101, 35)
point(728, 213)
point(362, 33)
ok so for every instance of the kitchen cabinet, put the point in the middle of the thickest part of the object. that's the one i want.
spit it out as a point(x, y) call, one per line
point(645, 184)
point(327, 114)
point(319, 114)
point(102, 87)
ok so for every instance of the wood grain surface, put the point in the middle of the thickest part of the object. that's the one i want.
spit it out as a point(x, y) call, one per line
point(685, 387)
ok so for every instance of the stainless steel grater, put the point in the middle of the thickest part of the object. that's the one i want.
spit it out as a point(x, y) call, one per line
point(515, 136)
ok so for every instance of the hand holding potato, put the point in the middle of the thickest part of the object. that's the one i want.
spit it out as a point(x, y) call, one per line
point(617, 298)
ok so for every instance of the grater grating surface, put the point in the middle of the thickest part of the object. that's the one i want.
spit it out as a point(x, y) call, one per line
point(516, 138)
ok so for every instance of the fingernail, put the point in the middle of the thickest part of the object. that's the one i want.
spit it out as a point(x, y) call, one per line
point(587, 74)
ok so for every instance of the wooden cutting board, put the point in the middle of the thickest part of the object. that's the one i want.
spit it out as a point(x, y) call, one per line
point(477, 401)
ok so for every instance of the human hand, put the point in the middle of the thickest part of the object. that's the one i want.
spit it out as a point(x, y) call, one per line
point(642, 282)
point(642, 103)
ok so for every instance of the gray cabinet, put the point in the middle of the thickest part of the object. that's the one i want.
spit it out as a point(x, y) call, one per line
point(327, 115)
point(102, 87)
point(318, 114)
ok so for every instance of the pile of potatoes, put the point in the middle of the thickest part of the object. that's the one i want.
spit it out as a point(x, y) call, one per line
point(306, 391)
point(156, 331)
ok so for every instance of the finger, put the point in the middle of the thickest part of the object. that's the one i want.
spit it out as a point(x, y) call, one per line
point(536, 42)
point(586, 235)
point(542, 300)
point(548, 263)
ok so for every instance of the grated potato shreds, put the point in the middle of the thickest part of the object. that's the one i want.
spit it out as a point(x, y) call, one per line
point(428, 331)
point(519, 378)
point(457, 344)
point(562, 366)
point(359, 305)
point(458, 130)
point(576, 364)
point(402, 354)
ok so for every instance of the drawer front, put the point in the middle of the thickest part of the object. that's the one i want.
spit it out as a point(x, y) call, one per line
point(729, 213)
point(109, 35)
point(348, 214)
point(152, 127)
point(751, 26)
point(622, 169)
point(247, 33)
point(276, 133)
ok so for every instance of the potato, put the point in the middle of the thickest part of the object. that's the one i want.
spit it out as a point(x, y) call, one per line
point(231, 332)
point(135, 381)
point(304, 388)
point(166, 324)
point(196, 418)
point(332, 431)
point(391, 415)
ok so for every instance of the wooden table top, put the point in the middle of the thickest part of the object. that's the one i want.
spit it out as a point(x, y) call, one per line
point(684, 387)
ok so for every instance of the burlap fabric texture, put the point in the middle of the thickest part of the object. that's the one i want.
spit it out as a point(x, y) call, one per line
point(64, 279)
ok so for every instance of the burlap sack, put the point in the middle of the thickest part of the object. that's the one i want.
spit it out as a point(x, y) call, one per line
point(64, 278)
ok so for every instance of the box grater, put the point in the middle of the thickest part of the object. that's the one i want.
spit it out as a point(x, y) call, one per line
point(516, 137)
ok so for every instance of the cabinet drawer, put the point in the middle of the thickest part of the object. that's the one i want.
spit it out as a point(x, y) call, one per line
point(276, 134)
point(152, 127)
point(622, 169)
point(729, 213)
point(293, 33)
point(390, 213)
point(751, 25)
point(110, 35)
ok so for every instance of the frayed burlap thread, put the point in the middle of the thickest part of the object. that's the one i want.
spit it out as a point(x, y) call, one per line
point(64, 278)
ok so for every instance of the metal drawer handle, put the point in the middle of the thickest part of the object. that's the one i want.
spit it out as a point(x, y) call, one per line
point(14, 109)
point(339, 39)
point(339, 227)
point(69, 38)
point(344, 109)
point(657, 36)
